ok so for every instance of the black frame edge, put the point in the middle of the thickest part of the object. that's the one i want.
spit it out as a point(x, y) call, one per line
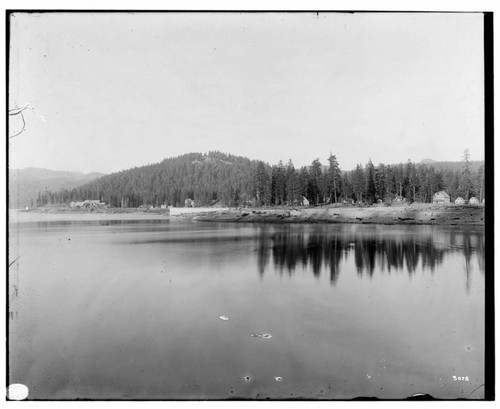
point(489, 357)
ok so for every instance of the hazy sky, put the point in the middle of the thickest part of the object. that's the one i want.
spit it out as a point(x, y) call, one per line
point(117, 90)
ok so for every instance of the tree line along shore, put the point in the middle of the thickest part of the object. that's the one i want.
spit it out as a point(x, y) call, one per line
point(218, 179)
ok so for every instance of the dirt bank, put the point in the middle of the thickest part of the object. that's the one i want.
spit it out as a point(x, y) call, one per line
point(410, 214)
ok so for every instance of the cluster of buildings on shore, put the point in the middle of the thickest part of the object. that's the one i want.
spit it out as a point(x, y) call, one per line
point(442, 197)
point(87, 204)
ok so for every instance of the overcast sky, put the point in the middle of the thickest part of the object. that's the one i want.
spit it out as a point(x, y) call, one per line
point(115, 90)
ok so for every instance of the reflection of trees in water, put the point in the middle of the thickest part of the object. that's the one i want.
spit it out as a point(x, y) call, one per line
point(370, 251)
point(316, 250)
point(480, 253)
point(470, 244)
point(263, 252)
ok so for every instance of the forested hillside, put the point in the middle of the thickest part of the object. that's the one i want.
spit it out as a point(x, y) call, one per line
point(206, 178)
point(218, 178)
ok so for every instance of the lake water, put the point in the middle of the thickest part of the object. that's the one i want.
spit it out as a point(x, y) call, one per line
point(131, 309)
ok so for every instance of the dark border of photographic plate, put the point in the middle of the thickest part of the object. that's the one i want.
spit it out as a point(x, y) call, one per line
point(489, 383)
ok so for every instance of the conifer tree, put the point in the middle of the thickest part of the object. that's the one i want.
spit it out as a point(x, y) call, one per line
point(313, 187)
point(333, 178)
point(370, 182)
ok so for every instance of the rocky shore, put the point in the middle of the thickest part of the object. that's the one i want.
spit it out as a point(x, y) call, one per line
point(416, 213)
point(409, 214)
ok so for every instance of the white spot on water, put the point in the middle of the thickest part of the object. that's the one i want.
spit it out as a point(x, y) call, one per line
point(278, 378)
point(265, 336)
point(224, 318)
point(17, 391)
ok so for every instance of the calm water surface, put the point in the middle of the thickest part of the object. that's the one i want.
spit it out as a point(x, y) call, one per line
point(131, 309)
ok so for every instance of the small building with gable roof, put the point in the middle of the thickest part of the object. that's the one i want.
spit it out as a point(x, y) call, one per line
point(441, 197)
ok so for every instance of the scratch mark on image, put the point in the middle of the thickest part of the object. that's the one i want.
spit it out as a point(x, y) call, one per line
point(12, 262)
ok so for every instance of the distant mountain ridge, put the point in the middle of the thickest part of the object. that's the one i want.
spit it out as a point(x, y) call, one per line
point(42, 173)
point(451, 165)
point(26, 184)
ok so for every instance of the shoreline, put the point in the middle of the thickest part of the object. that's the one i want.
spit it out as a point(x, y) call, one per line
point(414, 214)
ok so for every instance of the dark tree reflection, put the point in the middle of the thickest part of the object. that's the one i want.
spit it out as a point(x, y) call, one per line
point(321, 248)
point(263, 251)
